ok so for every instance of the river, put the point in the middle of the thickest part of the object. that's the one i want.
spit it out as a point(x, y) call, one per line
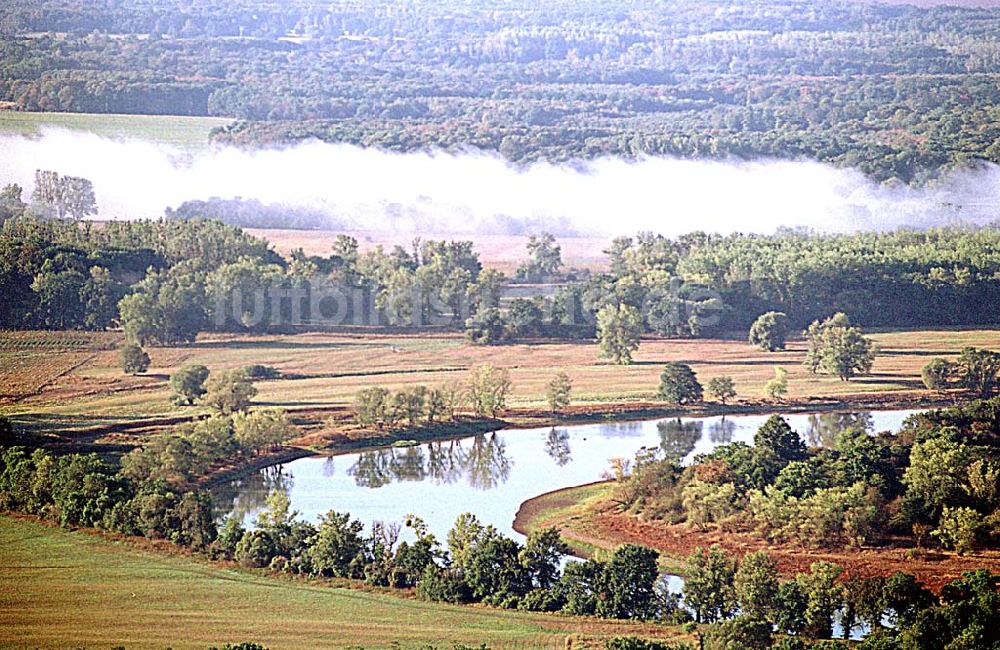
point(491, 474)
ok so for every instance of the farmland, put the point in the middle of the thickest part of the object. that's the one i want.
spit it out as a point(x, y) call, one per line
point(190, 133)
point(84, 396)
point(62, 587)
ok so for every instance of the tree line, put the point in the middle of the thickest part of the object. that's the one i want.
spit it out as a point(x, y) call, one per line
point(836, 83)
point(165, 281)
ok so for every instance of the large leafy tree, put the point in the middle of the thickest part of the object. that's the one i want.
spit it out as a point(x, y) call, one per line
point(65, 196)
point(229, 391)
point(679, 384)
point(708, 587)
point(838, 348)
point(618, 332)
point(627, 583)
point(769, 331)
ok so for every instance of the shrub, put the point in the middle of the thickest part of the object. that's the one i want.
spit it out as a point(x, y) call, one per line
point(229, 391)
point(722, 388)
point(959, 528)
point(258, 371)
point(134, 359)
point(188, 383)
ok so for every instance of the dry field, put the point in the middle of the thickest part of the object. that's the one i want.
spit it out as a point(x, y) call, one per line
point(83, 393)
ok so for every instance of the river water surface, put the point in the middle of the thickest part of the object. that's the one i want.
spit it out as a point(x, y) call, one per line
point(491, 474)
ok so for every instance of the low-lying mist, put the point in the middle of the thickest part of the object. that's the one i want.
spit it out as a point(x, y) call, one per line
point(478, 194)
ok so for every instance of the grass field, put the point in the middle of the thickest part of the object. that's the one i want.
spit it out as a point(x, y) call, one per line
point(62, 589)
point(87, 388)
point(184, 132)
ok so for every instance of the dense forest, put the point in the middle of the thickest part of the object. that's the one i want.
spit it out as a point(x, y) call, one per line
point(167, 280)
point(896, 91)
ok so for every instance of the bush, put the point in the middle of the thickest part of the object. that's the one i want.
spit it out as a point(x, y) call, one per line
point(134, 359)
point(740, 633)
point(442, 585)
point(959, 528)
point(257, 371)
point(188, 383)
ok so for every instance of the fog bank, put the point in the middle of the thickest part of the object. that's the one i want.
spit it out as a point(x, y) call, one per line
point(478, 193)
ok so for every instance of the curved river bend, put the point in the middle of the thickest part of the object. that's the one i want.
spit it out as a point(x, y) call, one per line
point(491, 474)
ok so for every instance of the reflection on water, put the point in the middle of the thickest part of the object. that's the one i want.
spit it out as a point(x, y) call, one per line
point(481, 461)
point(492, 474)
point(824, 427)
point(721, 432)
point(245, 496)
point(678, 437)
point(557, 446)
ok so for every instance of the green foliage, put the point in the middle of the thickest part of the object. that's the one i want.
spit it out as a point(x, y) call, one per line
point(134, 359)
point(749, 632)
point(618, 332)
point(777, 437)
point(978, 370)
point(188, 383)
point(679, 384)
point(827, 517)
point(937, 472)
point(541, 555)
point(777, 387)
point(627, 584)
point(769, 331)
point(486, 327)
point(558, 392)
point(959, 528)
point(756, 585)
point(708, 585)
point(836, 347)
point(938, 374)
point(634, 643)
point(229, 391)
point(544, 259)
point(262, 430)
point(488, 390)
point(337, 548)
point(257, 371)
point(824, 597)
point(722, 388)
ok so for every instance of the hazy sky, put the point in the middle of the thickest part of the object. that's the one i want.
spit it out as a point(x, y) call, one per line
point(472, 193)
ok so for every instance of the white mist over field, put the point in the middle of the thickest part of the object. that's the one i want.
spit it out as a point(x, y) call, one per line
point(478, 193)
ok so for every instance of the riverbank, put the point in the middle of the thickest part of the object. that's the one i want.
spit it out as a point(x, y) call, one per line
point(82, 588)
point(590, 522)
point(338, 435)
